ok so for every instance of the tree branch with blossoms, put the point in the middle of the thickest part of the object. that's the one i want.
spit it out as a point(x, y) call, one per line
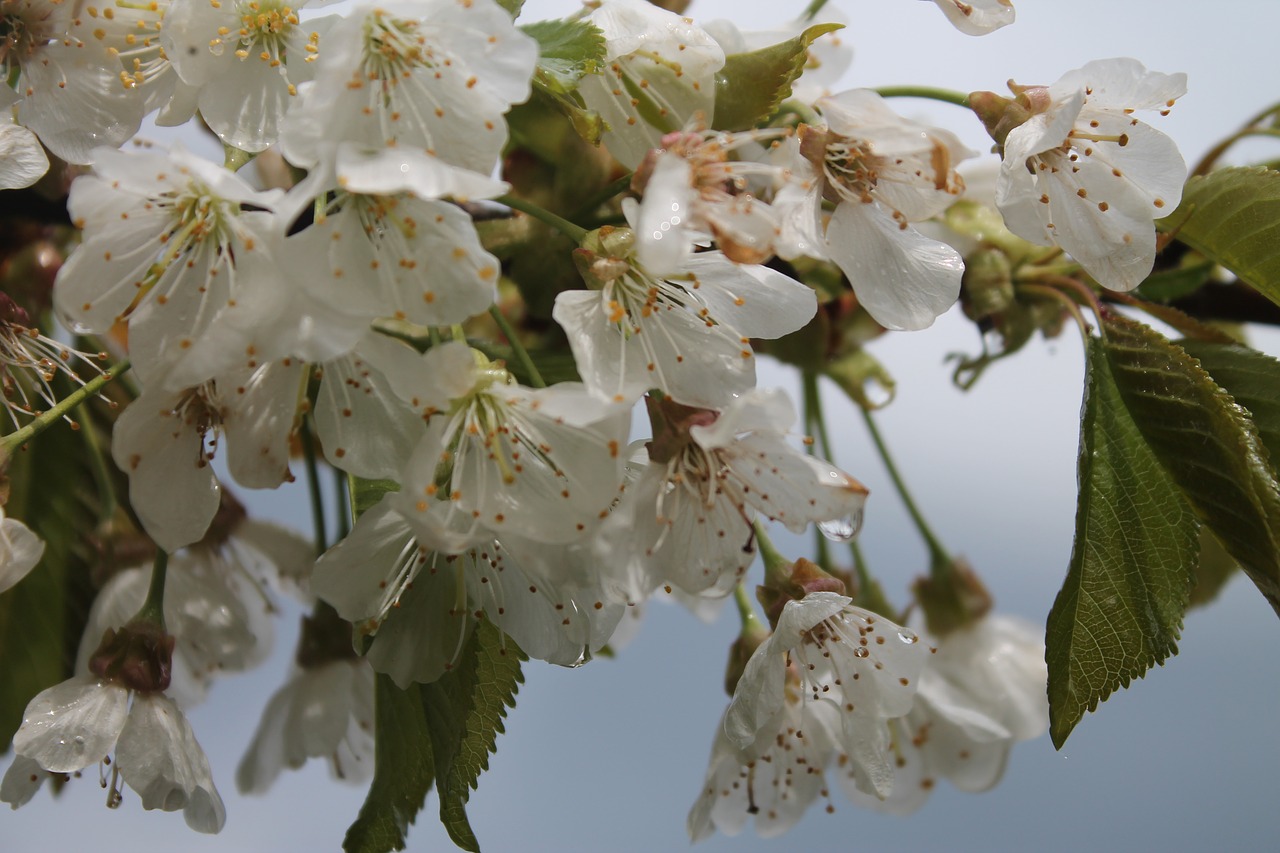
point(470, 249)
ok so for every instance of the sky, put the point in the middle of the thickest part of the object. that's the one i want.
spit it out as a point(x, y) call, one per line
point(611, 755)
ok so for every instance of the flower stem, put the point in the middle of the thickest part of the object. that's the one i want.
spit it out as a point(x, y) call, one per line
point(313, 487)
point(815, 423)
point(343, 500)
point(522, 354)
point(777, 568)
point(153, 608)
point(947, 96)
point(939, 559)
point(14, 440)
point(564, 226)
point(811, 11)
point(746, 612)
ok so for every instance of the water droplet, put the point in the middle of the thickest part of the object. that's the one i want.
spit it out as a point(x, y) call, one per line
point(908, 637)
point(861, 652)
point(216, 47)
point(78, 743)
point(842, 529)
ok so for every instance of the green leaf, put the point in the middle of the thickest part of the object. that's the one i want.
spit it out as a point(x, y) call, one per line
point(751, 86)
point(41, 618)
point(1168, 285)
point(1253, 381)
point(568, 51)
point(1232, 217)
point(403, 770)
point(1120, 608)
point(1207, 443)
point(1215, 569)
point(464, 712)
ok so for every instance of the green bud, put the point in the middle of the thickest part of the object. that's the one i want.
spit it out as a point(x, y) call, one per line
point(987, 285)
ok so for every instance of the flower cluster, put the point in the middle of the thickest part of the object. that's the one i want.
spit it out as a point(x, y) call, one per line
point(374, 305)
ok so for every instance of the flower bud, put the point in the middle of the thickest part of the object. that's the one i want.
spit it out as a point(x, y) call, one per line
point(987, 285)
point(139, 656)
point(952, 599)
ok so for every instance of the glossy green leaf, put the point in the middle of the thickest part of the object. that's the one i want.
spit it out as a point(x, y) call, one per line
point(1168, 285)
point(1232, 217)
point(568, 51)
point(464, 712)
point(1120, 608)
point(1215, 568)
point(1206, 441)
point(1253, 381)
point(403, 770)
point(751, 86)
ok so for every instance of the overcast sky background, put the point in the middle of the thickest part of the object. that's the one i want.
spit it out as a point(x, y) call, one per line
point(611, 756)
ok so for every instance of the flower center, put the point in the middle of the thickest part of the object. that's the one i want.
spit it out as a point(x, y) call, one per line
point(849, 169)
point(25, 27)
point(393, 47)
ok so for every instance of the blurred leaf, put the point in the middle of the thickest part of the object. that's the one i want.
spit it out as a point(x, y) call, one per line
point(1120, 608)
point(512, 7)
point(1168, 285)
point(1232, 216)
point(1207, 443)
point(751, 85)
point(41, 618)
point(403, 770)
point(366, 493)
point(464, 711)
point(568, 51)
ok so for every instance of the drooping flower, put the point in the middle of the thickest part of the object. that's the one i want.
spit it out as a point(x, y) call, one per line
point(686, 334)
point(1081, 172)
point(981, 692)
point(324, 711)
point(862, 665)
point(119, 708)
point(659, 74)
point(885, 172)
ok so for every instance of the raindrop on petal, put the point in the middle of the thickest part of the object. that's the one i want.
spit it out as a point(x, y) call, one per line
point(842, 529)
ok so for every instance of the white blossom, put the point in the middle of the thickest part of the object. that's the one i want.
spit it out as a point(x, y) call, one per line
point(1083, 173)
point(863, 666)
point(20, 551)
point(977, 17)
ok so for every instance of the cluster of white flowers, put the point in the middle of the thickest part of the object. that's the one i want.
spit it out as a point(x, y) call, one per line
point(517, 504)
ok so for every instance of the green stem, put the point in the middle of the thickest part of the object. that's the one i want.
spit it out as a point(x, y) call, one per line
point(1207, 162)
point(153, 608)
point(14, 440)
point(101, 474)
point(313, 487)
point(746, 612)
point(522, 354)
point(564, 226)
point(939, 559)
point(777, 568)
point(342, 498)
point(815, 423)
point(947, 96)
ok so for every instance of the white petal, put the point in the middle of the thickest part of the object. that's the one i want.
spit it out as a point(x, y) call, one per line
point(977, 17)
point(20, 550)
point(22, 160)
point(903, 279)
point(71, 725)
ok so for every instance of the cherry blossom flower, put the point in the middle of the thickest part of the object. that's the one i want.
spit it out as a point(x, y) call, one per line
point(324, 711)
point(1083, 173)
point(885, 172)
point(977, 17)
point(862, 665)
point(246, 59)
point(20, 551)
point(404, 88)
point(981, 692)
point(660, 74)
point(165, 441)
point(687, 334)
point(687, 519)
point(693, 191)
point(774, 780)
point(183, 250)
point(22, 159)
